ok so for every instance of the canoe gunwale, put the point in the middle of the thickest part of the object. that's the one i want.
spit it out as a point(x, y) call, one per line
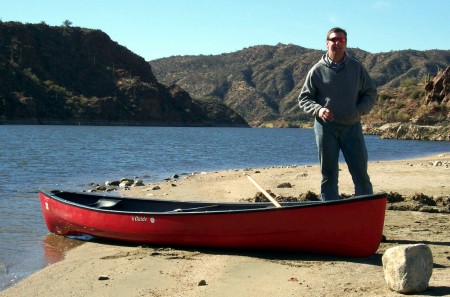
point(207, 207)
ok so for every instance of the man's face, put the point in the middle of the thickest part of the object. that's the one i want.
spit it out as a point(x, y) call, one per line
point(336, 43)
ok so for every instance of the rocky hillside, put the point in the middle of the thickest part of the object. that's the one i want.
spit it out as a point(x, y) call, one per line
point(55, 75)
point(262, 83)
point(68, 75)
point(416, 110)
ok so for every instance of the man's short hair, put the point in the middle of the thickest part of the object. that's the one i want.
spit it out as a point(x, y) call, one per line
point(336, 30)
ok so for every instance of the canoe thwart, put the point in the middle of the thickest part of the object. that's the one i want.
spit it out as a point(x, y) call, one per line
point(194, 208)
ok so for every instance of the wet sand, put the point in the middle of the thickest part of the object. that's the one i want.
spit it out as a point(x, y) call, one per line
point(111, 269)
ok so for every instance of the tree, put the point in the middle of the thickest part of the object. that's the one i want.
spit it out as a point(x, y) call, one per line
point(67, 23)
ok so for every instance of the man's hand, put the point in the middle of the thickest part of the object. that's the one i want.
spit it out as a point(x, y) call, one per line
point(326, 115)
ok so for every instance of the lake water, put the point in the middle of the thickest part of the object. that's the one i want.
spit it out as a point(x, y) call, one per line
point(71, 157)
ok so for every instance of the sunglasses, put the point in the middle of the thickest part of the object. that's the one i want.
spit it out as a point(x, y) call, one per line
point(336, 39)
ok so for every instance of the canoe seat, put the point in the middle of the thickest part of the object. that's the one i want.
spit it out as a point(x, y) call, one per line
point(106, 203)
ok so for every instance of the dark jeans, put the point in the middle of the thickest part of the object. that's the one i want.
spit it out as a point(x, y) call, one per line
point(330, 139)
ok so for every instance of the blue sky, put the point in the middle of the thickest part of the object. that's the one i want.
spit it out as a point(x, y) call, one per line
point(156, 29)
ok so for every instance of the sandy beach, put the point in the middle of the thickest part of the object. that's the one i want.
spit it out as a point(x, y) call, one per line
point(106, 269)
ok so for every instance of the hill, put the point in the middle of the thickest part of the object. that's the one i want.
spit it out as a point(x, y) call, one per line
point(71, 75)
point(262, 83)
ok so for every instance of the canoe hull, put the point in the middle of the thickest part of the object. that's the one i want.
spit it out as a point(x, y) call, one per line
point(352, 229)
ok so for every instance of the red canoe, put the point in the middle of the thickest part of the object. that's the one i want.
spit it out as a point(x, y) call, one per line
point(351, 227)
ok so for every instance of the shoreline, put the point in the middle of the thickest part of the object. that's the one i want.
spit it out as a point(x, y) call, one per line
point(154, 271)
point(303, 178)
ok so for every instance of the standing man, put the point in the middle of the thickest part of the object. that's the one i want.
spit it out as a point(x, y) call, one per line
point(338, 91)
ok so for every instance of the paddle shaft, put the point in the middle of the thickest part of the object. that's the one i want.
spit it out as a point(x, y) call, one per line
point(264, 192)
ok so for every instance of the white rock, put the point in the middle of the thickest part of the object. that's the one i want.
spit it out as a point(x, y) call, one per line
point(138, 183)
point(408, 268)
point(125, 184)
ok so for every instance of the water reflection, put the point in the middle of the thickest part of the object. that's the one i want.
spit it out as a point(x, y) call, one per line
point(56, 247)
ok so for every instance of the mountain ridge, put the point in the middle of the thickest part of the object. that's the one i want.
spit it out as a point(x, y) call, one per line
point(262, 82)
point(72, 75)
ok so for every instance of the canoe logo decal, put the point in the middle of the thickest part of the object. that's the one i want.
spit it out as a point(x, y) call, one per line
point(142, 219)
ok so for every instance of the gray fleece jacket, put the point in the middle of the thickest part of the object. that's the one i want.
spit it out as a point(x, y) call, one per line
point(349, 93)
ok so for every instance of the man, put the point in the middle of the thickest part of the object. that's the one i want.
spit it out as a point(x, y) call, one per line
point(338, 91)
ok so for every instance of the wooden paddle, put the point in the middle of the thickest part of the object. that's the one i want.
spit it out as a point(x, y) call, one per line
point(275, 202)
